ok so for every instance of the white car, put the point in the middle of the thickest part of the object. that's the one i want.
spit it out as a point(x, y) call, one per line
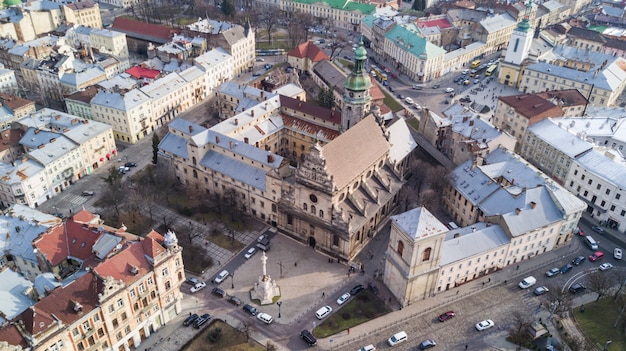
point(449, 90)
point(323, 312)
point(367, 348)
point(343, 298)
point(220, 277)
point(251, 251)
point(484, 325)
point(265, 318)
point(409, 100)
point(617, 253)
point(198, 287)
point(605, 266)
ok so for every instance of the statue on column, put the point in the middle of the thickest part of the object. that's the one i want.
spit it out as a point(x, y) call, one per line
point(265, 289)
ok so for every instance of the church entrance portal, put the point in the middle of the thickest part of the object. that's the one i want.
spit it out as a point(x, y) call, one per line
point(311, 241)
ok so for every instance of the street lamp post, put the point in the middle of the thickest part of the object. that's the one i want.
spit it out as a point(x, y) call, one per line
point(606, 345)
point(279, 303)
point(232, 280)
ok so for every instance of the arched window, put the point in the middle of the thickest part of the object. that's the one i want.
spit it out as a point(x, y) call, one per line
point(321, 214)
point(400, 247)
point(193, 160)
point(305, 206)
point(426, 254)
point(313, 211)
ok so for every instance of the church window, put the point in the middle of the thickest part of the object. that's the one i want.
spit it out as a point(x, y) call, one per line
point(321, 214)
point(356, 185)
point(400, 248)
point(335, 240)
point(516, 44)
point(313, 210)
point(193, 160)
point(305, 206)
point(426, 254)
point(289, 219)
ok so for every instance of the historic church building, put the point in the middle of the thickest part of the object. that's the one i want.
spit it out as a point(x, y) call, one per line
point(327, 178)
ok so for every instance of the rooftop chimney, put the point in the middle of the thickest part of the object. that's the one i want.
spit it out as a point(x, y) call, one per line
point(533, 204)
point(217, 139)
point(245, 140)
point(230, 144)
point(190, 129)
point(237, 120)
point(518, 211)
point(252, 113)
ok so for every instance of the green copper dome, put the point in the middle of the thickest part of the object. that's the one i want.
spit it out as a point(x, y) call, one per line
point(359, 80)
point(12, 2)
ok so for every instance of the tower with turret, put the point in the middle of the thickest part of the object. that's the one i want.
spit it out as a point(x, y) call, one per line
point(356, 98)
point(517, 51)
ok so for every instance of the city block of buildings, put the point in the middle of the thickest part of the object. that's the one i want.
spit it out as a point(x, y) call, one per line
point(85, 285)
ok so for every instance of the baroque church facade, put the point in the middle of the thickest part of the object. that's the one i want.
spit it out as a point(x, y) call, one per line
point(334, 195)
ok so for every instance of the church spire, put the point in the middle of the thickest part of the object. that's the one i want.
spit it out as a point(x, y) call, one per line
point(524, 25)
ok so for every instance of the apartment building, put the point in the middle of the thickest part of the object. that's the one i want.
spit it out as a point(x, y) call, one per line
point(79, 103)
point(169, 96)
point(125, 292)
point(233, 98)
point(16, 107)
point(85, 13)
point(8, 83)
point(24, 182)
point(217, 65)
point(128, 113)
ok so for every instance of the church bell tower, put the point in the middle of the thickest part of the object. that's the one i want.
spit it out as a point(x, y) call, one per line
point(356, 98)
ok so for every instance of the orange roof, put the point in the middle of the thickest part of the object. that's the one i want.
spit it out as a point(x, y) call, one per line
point(375, 91)
point(128, 265)
point(12, 335)
point(310, 51)
point(69, 239)
point(152, 247)
point(83, 216)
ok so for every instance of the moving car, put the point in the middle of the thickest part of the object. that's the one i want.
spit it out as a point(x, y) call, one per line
point(265, 318)
point(446, 315)
point(427, 344)
point(220, 277)
point(484, 325)
point(397, 338)
point(605, 266)
point(598, 229)
point(540, 291)
point(323, 312)
point(197, 287)
point(596, 256)
point(527, 282)
point(617, 253)
point(343, 298)
point(449, 90)
point(189, 320)
point(251, 251)
point(576, 288)
point(552, 272)
point(409, 100)
point(87, 193)
point(578, 260)
point(308, 338)
point(357, 290)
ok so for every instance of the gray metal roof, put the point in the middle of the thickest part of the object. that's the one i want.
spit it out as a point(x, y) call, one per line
point(174, 144)
point(528, 219)
point(419, 222)
point(53, 150)
point(235, 169)
point(13, 298)
point(401, 141)
point(604, 167)
point(471, 241)
point(559, 138)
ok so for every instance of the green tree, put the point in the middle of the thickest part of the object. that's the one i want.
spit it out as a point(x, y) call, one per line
point(114, 179)
point(228, 9)
point(155, 148)
point(326, 97)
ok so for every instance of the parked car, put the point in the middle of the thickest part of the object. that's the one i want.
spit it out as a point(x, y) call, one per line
point(189, 320)
point(552, 272)
point(617, 253)
point(409, 100)
point(308, 338)
point(397, 338)
point(578, 260)
point(250, 309)
point(400, 96)
point(435, 86)
point(87, 193)
point(568, 267)
point(598, 229)
point(446, 315)
point(357, 290)
point(449, 90)
point(579, 231)
point(540, 291)
point(484, 325)
point(259, 59)
point(234, 300)
point(265, 318)
point(605, 266)
point(367, 348)
point(343, 298)
point(323, 312)
point(201, 320)
point(123, 169)
point(427, 344)
point(218, 292)
point(251, 251)
point(576, 288)
point(130, 164)
point(220, 277)
point(418, 87)
point(198, 287)
point(596, 256)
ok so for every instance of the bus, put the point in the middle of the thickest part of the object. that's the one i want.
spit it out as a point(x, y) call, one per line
point(270, 52)
point(490, 70)
point(476, 71)
point(382, 76)
point(475, 64)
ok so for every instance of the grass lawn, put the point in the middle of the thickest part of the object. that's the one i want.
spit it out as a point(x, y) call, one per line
point(361, 309)
point(226, 241)
point(414, 123)
point(597, 323)
point(264, 45)
point(230, 339)
point(391, 102)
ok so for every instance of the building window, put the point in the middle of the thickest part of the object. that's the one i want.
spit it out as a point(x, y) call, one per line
point(336, 240)
point(426, 254)
point(400, 248)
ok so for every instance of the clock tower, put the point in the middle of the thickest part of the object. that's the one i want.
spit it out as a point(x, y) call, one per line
point(517, 51)
point(356, 98)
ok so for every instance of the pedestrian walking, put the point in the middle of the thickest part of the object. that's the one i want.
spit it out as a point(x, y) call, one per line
point(483, 284)
point(517, 268)
point(489, 280)
point(323, 294)
point(466, 346)
point(457, 292)
point(295, 264)
point(505, 282)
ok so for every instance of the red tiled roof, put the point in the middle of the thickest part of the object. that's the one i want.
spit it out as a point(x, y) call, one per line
point(567, 97)
point(83, 96)
point(311, 109)
point(69, 239)
point(309, 128)
point(61, 303)
point(532, 106)
point(10, 334)
point(156, 236)
point(83, 216)
point(309, 50)
point(375, 91)
point(142, 72)
point(142, 29)
point(14, 102)
point(441, 23)
point(10, 138)
point(151, 247)
point(122, 265)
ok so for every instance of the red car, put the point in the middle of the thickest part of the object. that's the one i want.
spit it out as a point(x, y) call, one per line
point(447, 315)
point(596, 256)
point(579, 231)
point(393, 75)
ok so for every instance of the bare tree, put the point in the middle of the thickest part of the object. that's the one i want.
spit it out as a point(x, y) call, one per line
point(437, 178)
point(557, 301)
point(246, 329)
point(336, 48)
point(599, 283)
point(519, 330)
point(576, 343)
point(270, 20)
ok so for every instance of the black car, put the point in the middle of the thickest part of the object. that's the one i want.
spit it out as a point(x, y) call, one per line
point(576, 288)
point(130, 164)
point(192, 318)
point(373, 287)
point(357, 290)
point(201, 320)
point(578, 260)
point(568, 267)
point(234, 300)
point(250, 309)
point(308, 338)
point(218, 292)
